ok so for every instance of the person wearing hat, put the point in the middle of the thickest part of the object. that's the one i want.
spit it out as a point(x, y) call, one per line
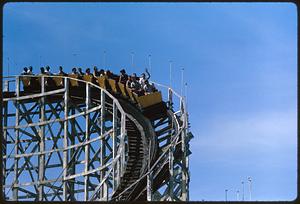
point(25, 71)
point(123, 76)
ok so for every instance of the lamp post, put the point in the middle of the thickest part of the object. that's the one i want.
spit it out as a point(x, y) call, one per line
point(237, 195)
point(226, 190)
point(170, 61)
point(243, 196)
point(8, 66)
point(75, 58)
point(132, 58)
point(149, 63)
point(182, 72)
point(250, 180)
point(40, 60)
point(104, 59)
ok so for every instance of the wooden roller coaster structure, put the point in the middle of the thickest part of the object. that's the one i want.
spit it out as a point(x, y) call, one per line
point(68, 139)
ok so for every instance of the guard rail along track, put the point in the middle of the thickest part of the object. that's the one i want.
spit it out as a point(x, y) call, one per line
point(76, 140)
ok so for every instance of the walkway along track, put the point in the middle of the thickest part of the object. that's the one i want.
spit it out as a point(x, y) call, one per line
point(148, 134)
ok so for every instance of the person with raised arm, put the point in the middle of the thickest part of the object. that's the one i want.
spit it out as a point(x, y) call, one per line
point(143, 78)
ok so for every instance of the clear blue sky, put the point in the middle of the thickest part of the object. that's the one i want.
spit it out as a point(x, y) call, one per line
point(241, 69)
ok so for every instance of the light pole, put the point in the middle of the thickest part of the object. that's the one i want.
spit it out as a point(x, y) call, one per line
point(186, 94)
point(40, 60)
point(237, 195)
point(249, 179)
point(8, 66)
point(149, 63)
point(226, 190)
point(132, 58)
point(75, 58)
point(104, 59)
point(182, 71)
point(170, 72)
point(243, 196)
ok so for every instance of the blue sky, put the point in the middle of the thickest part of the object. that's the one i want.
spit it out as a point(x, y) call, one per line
point(240, 63)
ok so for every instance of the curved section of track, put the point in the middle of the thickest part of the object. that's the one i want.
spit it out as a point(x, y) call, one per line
point(137, 146)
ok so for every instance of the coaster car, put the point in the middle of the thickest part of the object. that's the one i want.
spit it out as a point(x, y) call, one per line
point(148, 100)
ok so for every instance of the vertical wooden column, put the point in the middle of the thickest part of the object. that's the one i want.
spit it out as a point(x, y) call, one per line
point(170, 98)
point(184, 173)
point(102, 151)
point(122, 142)
point(65, 154)
point(4, 144)
point(149, 176)
point(115, 111)
point(171, 171)
point(87, 149)
point(42, 141)
point(16, 160)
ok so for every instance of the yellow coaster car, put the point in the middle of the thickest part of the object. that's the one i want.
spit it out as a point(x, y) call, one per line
point(74, 82)
point(89, 78)
point(122, 88)
point(102, 81)
point(30, 83)
point(113, 85)
point(59, 81)
point(148, 100)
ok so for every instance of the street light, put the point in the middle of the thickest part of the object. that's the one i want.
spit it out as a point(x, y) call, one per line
point(249, 179)
point(237, 195)
point(170, 62)
point(226, 190)
point(132, 58)
point(243, 196)
point(149, 63)
point(104, 59)
point(182, 72)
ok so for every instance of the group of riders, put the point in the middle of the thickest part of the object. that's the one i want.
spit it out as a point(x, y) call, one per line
point(139, 85)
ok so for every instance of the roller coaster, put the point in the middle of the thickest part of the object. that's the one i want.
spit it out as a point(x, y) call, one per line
point(66, 138)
